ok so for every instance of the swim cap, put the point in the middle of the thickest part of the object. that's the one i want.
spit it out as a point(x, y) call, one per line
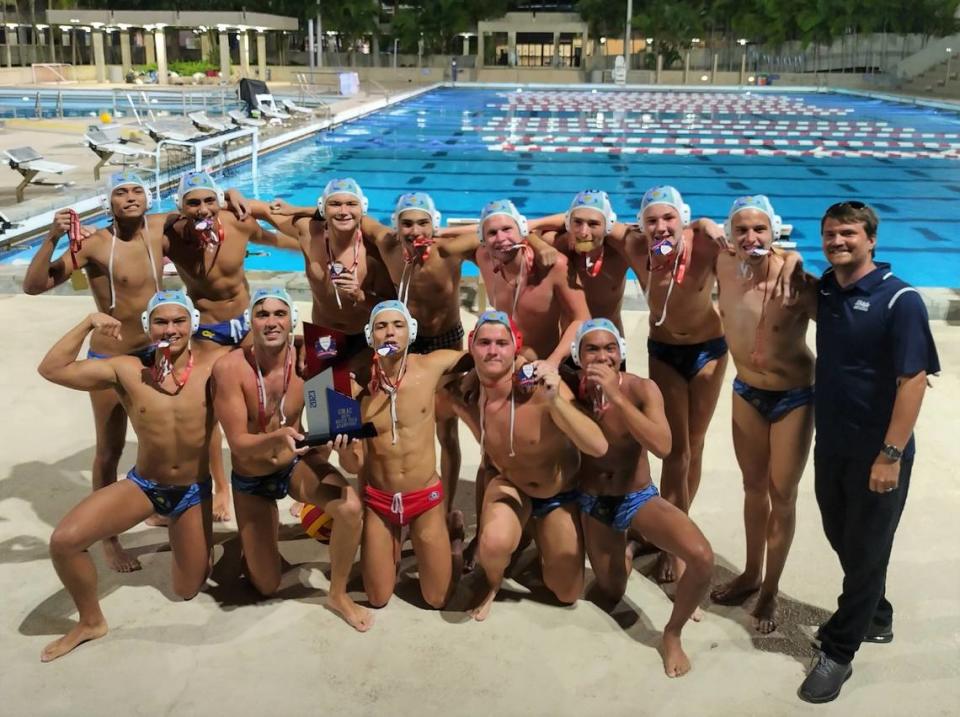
point(124, 178)
point(391, 305)
point(420, 201)
point(590, 326)
point(497, 317)
point(505, 208)
point(346, 185)
point(594, 199)
point(178, 298)
point(273, 292)
point(761, 203)
point(665, 195)
point(192, 181)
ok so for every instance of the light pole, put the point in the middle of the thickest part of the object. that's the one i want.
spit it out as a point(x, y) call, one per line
point(949, 56)
point(627, 33)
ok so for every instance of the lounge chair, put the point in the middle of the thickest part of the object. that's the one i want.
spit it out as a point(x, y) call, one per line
point(241, 119)
point(205, 123)
point(107, 144)
point(291, 106)
point(29, 162)
point(268, 108)
point(179, 132)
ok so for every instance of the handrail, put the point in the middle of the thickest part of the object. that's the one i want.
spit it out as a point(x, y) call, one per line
point(384, 90)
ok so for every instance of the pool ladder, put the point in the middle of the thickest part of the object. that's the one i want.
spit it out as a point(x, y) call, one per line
point(38, 106)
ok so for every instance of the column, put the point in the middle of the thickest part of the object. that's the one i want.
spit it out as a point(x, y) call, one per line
point(262, 56)
point(160, 40)
point(743, 68)
point(126, 58)
point(244, 38)
point(6, 43)
point(98, 58)
point(713, 75)
point(151, 55)
point(686, 66)
point(659, 67)
point(479, 48)
point(556, 50)
point(224, 56)
point(512, 48)
point(375, 49)
point(205, 46)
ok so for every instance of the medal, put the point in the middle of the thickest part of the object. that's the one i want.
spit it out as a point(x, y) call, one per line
point(526, 376)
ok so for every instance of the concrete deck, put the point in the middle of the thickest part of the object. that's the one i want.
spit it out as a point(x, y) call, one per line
point(228, 653)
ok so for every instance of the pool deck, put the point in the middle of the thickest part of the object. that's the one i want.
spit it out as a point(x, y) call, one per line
point(227, 652)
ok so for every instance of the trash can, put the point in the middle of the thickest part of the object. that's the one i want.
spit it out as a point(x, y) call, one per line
point(115, 74)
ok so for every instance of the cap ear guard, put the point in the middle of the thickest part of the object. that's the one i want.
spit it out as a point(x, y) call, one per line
point(195, 181)
point(177, 298)
point(278, 294)
point(589, 199)
point(497, 317)
point(347, 185)
point(590, 326)
point(761, 203)
point(391, 305)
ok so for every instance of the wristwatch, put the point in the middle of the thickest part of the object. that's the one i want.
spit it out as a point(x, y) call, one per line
point(891, 452)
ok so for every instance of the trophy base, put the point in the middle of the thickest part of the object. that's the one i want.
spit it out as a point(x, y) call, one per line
point(319, 439)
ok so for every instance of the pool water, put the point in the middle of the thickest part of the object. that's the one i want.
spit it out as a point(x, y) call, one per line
point(539, 147)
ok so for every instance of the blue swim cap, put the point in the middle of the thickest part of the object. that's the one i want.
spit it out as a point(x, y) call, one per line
point(665, 195)
point(193, 181)
point(346, 185)
point(591, 325)
point(597, 200)
point(761, 203)
point(506, 208)
point(491, 316)
point(391, 305)
point(273, 292)
point(177, 298)
point(420, 201)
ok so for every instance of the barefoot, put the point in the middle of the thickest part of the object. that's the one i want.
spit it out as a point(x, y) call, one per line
point(765, 612)
point(482, 611)
point(117, 558)
point(157, 521)
point(669, 568)
point(697, 614)
point(76, 637)
point(735, 591)
point(359, 618)
point(221, 507)
point(295, 508)
point(675, 660)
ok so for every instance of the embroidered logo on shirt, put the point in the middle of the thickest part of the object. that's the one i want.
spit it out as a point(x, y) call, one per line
point(861, 305)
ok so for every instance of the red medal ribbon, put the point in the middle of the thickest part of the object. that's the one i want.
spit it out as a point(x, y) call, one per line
point(76, 239)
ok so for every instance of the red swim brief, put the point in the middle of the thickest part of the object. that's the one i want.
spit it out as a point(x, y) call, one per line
point(401, 508)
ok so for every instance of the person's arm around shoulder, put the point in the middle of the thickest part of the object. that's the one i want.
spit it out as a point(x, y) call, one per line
point(573, 302)
point(259, 235)
point(231, 410)
point(585, 433)
point(44, 272)
point(60, 365)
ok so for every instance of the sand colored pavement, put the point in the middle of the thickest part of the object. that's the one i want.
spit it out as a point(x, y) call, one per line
point(227, 652)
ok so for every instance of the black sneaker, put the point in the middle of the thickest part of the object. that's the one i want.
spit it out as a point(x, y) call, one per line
point(825, 680)
point(878, 634)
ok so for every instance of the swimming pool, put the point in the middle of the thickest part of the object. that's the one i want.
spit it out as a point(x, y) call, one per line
point(539, 147)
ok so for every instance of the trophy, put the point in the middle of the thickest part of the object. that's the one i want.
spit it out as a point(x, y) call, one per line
point(330, 407)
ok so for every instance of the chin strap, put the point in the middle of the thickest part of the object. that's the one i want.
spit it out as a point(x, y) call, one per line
point(380, 381)
point(113, 247)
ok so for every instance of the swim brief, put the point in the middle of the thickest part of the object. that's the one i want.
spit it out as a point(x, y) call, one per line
point(452, 339)
point(273, 486)
point(172, 500)
point(401, 508)
point(773, 405)
point(230, 332)
point(145, 354)
point(687, 359)
point(544, 506)
point(617, 511)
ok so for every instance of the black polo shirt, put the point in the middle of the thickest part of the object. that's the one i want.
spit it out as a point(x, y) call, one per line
point(868, 334)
